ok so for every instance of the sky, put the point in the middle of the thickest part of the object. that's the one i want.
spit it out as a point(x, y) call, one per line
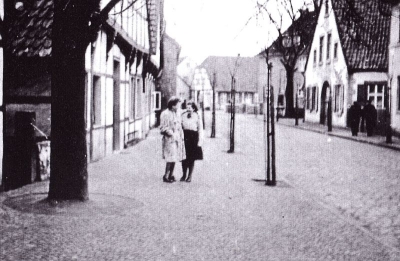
point(218, 27)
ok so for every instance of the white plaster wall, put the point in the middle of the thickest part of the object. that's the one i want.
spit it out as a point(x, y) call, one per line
point(333, 71)
point(394, 67)
point(109, 101)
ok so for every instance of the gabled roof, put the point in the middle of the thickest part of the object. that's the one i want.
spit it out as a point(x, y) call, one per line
point(30, 29)
point(246, 73)
point(364, 34)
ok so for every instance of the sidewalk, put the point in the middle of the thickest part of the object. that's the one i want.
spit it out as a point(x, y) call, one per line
point(342, 133)
point(225, 213)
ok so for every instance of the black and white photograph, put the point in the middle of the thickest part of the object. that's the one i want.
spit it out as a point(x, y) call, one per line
point(199, 130)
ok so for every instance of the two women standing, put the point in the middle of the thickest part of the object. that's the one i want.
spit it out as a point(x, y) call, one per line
point(182, 138)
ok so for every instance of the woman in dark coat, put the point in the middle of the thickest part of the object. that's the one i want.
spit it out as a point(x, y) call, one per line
point(354, 118)
point(193, 133)
point(370, 115)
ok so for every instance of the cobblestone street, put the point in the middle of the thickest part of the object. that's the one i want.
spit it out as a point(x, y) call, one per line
point(335, 200)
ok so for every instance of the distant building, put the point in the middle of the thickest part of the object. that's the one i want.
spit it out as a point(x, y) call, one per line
point(348, 61)
point(278, 75)
point(186, 70)
point(245, 71)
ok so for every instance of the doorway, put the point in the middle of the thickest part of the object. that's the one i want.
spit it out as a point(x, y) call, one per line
point(325, 99)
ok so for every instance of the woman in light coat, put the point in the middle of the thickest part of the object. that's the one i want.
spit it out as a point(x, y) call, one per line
point(173, 149)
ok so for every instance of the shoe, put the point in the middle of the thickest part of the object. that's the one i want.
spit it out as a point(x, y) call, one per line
point(189, 179)
point(183, 178)
point(172, 179)
point(166, 180)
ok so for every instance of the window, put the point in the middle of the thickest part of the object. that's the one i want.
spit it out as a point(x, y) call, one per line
point(321, 48)
point(328, 47)
point(138, 98)
point(339, 99)
point(96, 100)
point(335, 50)
point(315, 57)
point(308, 98)
point(131, 99)
point(326, 7)
point(398, 93)
point(399, 28)
point(313, 98)
point(376, 92)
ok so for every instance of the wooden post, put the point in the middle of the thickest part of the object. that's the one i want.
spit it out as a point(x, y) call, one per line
point(213, 107)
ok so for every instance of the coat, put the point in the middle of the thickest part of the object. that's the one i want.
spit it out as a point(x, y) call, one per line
point(370, 115)
point(173, 148)
point(354, 115)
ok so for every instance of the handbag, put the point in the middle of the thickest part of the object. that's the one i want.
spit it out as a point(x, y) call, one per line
point(199, 153)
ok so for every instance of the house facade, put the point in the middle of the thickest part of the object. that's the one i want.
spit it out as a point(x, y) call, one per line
point(280, 55)
point(186, 70)
point(122, 65)
point(394, 66)
point(245, 71)
point(278, 78)
point(347, 62)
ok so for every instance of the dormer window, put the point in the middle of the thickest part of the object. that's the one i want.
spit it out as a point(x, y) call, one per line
point(326, 7)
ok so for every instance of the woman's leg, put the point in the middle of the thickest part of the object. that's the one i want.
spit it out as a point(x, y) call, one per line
point(171, 171)
point(167, 171)
point(191, 167)
point(184, 169)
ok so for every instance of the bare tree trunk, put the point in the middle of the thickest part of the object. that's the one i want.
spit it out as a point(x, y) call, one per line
point(289, 92)
point(69, 176)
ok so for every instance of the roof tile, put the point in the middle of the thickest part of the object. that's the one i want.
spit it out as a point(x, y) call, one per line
point(364, 34)
point(30, 29)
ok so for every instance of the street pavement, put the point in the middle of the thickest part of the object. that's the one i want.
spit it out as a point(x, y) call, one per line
point(330, 203)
